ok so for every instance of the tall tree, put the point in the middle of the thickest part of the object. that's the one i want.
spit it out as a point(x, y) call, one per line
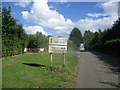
point(76, 37)
point(88, 37)
point(14, 38)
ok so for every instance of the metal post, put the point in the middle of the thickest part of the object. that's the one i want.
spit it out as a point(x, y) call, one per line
point(63, 59)
point(50, 59)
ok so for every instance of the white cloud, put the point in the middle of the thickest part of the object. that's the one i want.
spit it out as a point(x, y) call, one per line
point(23, 3)
point(94, 25)
point(51, 7)
point(97, 14)
point(34, 29)
point(41, 14)
point(110, 9)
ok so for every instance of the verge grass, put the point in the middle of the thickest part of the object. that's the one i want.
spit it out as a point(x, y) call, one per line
point(32, 70)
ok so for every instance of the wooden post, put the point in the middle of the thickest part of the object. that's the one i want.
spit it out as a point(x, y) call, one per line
point(50, 59)
point(63, 59)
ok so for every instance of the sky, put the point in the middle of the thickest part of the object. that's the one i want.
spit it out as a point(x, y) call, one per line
point(59, 18)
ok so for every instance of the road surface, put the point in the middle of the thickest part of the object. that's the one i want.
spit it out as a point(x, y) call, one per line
point(97, 70)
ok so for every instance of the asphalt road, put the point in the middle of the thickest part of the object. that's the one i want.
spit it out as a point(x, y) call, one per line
point(96, 70)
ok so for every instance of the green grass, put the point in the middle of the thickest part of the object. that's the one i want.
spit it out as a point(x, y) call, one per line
point(18, 75)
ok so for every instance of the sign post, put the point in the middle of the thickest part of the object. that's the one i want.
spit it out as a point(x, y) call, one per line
point(63, 59)
point(50, 59)
point(57, 45)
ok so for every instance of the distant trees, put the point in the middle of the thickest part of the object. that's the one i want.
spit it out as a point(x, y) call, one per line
point(107, 41)
point(37, 40)
point(14, 38)
point(76, 37)
point(32, 41)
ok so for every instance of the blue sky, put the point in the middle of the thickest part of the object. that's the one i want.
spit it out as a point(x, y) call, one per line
point(71, 10)
point(58, 19)
point(16, 12)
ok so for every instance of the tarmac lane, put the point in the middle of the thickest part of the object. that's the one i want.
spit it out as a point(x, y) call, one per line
point(97, 70)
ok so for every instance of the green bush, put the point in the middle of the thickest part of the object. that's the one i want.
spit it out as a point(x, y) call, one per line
point(14, 38)
point(113, 46)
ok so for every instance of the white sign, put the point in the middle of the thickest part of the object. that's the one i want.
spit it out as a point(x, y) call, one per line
point(57, 45)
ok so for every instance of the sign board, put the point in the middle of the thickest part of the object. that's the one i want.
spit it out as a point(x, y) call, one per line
point(57, 45)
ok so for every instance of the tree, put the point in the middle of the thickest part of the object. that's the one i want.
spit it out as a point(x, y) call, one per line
point(88, 37)
point(14, 38)
point(76, 37)
point(71, 46)
point(32, 42)
point(107, 41)
point(37, 40)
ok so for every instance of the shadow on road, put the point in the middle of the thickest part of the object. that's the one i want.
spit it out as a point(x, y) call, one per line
point(109, 72)
point(109, 83)
point(34, 64)
point(113, 62)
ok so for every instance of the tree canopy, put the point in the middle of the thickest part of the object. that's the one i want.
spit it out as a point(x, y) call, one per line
point(37, 40)
point(107, 41)
point(76, 37)
point(14, 38)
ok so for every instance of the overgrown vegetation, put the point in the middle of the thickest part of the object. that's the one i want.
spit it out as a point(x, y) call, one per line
point(107, 41)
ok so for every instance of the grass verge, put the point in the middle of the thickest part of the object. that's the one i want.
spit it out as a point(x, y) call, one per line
point(32, 71)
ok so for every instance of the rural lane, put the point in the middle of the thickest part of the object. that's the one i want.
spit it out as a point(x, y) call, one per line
point(97, 70)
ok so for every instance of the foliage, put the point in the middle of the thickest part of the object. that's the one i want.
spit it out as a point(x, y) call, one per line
point(14, 38)
point(107, 41)
point(113, 46)
point(71, 46)
point(0, 29)
point(37, 40)
point(76, 37)
point(88, 37)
